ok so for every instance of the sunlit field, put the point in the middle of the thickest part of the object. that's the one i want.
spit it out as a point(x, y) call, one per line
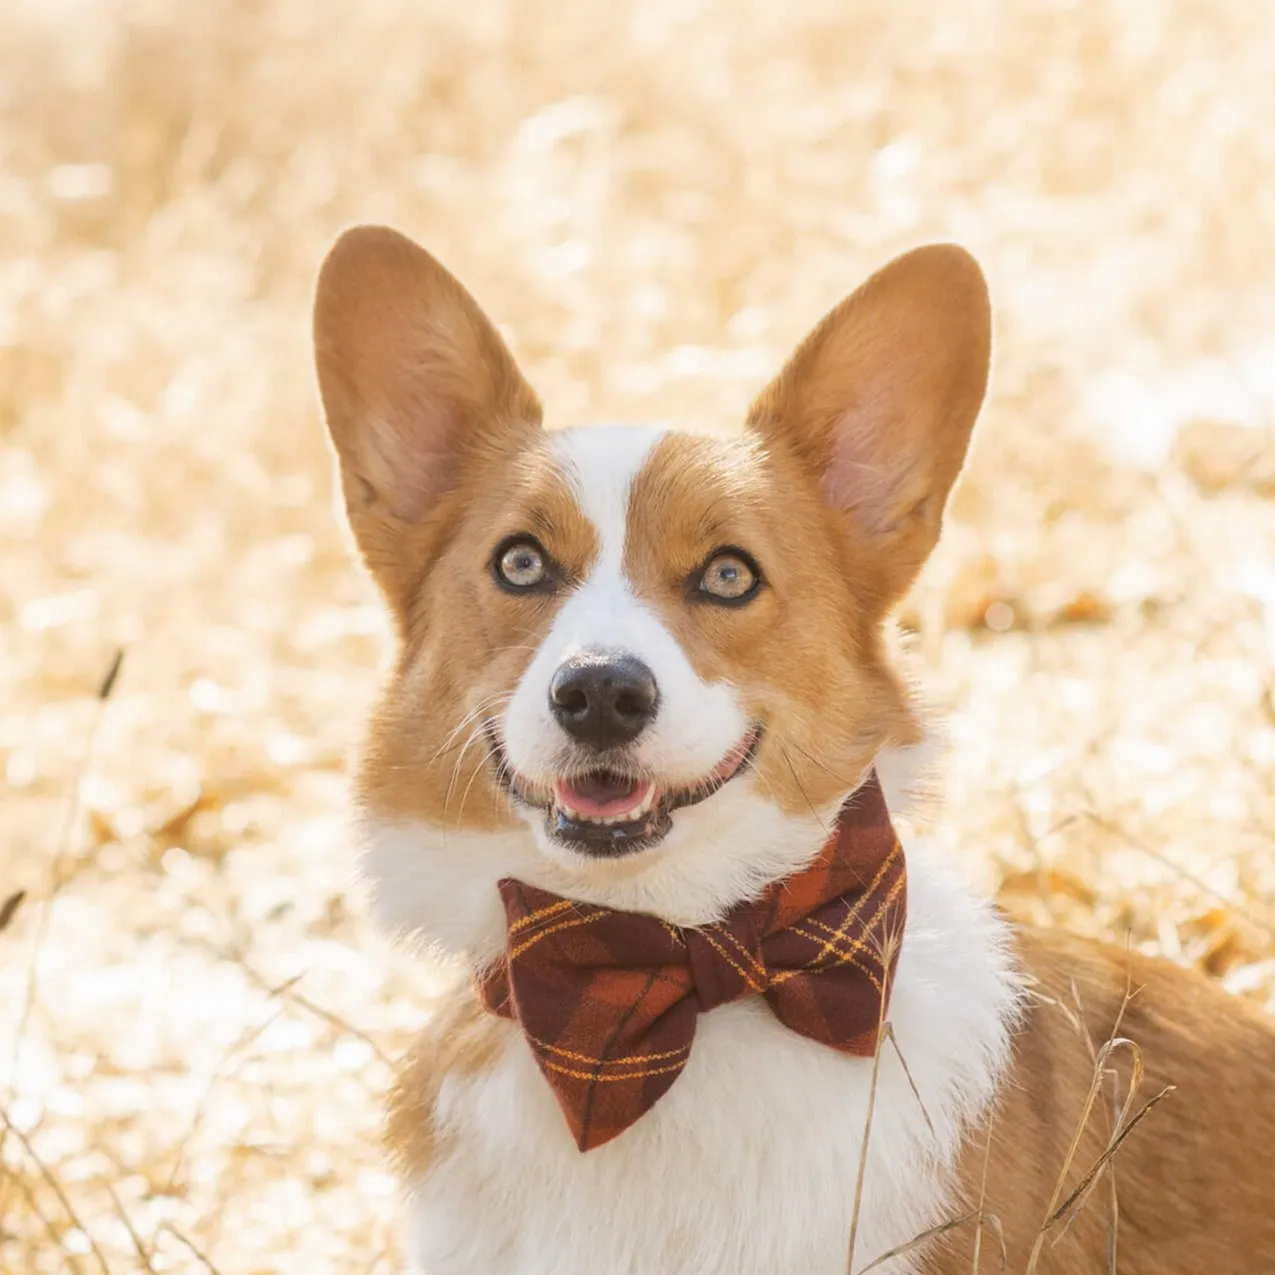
point(655, 202)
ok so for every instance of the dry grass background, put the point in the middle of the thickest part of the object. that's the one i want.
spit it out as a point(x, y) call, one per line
point(657, 200)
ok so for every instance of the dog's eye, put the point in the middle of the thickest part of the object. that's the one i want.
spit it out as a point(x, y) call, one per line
point(520, 564)
point(729, 577)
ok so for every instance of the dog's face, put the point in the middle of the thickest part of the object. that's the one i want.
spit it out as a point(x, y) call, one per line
point(637, 666)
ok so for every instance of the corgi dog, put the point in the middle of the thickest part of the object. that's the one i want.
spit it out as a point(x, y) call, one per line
point(633, 772)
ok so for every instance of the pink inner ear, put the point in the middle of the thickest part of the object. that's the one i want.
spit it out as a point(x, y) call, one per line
point(413, 374)
point(414, 479)
point(880, 399)
point(854, 484)
point(873, 469)
point(425, 406)
point(413, 455)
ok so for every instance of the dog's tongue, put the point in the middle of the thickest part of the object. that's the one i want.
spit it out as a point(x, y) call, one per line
point(602, 795)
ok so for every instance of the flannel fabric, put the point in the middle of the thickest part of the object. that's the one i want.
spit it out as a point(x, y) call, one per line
point(608, 1000)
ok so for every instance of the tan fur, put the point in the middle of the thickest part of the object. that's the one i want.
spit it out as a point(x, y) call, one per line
point(806, 654)
point(462, 1039)
point(1195, 1181)
point(466, 643)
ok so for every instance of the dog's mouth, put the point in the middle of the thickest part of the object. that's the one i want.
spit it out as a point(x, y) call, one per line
point(608, 812)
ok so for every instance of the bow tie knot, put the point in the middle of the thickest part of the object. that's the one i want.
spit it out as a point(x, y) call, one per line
point(608, 1000)
point(726, 962)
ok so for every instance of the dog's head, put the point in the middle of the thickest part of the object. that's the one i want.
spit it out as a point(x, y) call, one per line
point(637, 667)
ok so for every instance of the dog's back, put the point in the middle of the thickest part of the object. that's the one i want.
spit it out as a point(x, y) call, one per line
point(1191, 1187)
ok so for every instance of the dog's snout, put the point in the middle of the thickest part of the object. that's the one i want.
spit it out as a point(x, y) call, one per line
point(603, 700)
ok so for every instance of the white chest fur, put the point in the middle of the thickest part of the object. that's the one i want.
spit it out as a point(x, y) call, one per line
point(748, 1165)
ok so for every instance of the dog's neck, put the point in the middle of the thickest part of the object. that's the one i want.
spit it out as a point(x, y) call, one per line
point(436, 888)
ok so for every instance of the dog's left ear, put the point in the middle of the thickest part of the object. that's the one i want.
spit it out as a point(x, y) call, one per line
point(418, 390)
point(880, 399)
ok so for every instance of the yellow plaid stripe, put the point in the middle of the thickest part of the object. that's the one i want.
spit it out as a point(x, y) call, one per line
point(630, 1060)
point(851, 945)
point(540, 914)
point(573, 923)
point(757, 966)
point(627, 1076)
point(754, 984)
point(853, 913)
point(843, 958)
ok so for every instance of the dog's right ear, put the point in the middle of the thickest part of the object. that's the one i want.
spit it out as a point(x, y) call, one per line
point(879, 402)
point(416, 383)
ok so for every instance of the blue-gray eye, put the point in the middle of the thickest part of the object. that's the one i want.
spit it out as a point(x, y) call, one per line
point(728, 576)
point(522, 565)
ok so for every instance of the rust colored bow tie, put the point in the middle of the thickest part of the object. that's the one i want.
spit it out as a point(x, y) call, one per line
point(608, 1000)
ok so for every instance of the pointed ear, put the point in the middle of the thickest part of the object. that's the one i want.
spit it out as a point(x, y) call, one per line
point(415, 380)
point(880, 399)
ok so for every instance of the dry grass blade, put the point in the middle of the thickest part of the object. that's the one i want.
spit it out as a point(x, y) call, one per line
point(61, 847)
point(995, 1221)
point(333, 1019)
point(1076, 1019)
point(1078, 1195)
point(1120, 1112)
point(1069, 1208)
point(72, 1262)
point(106, 687)
point(218, 1074)
point(1117, 1042)
point(917, 1240)
point(907, 1071)
point(1098, 1061)
point(1113, 1225)
point(1064, 1009)
point(328, 1016)
point(888, 948)
point(127, 1222)
point(1241, 909)
point(51, 1181)
point(982, 1192)
point(1113, 1233)
point(9, 909)
point(198, 1254)
point(863, 1158)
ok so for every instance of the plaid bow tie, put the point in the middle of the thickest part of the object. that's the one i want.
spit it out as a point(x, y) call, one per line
point(608, 1000)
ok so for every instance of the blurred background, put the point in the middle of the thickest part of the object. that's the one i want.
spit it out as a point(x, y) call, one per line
point(656, 200)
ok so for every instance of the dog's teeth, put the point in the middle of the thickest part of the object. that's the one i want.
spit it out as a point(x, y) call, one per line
point(627, 816)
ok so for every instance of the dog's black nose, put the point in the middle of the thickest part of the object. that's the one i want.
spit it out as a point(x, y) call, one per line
point(603, 700)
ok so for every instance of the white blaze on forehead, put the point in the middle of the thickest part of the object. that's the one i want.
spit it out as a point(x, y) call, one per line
point(600, 463)
point(697, 723)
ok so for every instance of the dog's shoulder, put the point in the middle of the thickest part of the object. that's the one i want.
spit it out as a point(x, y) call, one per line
point(460, 1041)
